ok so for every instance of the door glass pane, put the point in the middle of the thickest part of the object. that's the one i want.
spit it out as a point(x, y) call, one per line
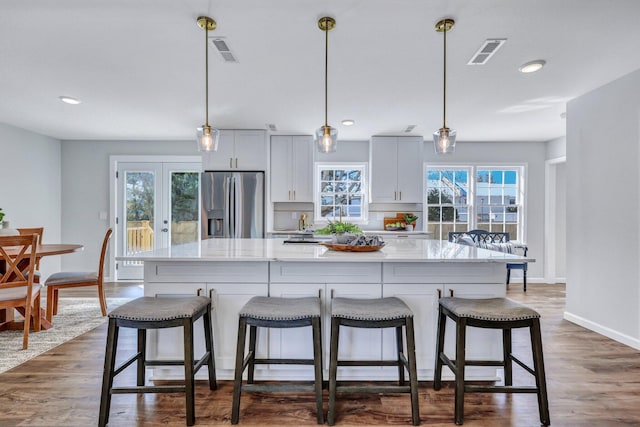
point(140, 199)
point(184, 207)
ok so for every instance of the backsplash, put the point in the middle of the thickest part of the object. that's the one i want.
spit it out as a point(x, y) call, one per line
point(286, 215)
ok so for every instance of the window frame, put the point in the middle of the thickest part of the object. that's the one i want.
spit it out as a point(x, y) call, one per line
point(364, 190)
point(473, 208)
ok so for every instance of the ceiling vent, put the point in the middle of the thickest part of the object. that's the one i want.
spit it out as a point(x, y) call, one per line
point(220, 44)
point(272, 127)
point(409, 128)
point(486, 51)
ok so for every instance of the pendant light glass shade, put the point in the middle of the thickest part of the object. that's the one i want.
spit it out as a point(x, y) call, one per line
point(326, 136)
point(444, 139)
point(326, 139)
point(207, 137)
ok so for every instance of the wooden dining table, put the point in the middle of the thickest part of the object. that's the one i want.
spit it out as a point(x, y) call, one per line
point(45, 249)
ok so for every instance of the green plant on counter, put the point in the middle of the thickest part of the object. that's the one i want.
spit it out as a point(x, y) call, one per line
point(1, 216)
point(339, 227)
point(410, 218)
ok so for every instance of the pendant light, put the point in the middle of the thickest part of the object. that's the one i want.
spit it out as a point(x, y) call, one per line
point(207, 136)
point(444, 139)
point(326, 136)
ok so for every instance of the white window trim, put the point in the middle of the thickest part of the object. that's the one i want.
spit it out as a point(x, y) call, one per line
point(318, 219)
point(473, 168)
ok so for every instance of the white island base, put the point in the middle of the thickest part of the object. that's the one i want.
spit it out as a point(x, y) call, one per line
point(231, 271)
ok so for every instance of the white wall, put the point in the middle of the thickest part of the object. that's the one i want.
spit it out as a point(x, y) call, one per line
point(556, 148)
point(85, 190)
point(603, 139)
point(561, 221)
point(30, 185)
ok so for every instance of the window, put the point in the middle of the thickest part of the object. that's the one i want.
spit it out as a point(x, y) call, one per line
point(475, 197)
point(341, 192)
point(447, 201)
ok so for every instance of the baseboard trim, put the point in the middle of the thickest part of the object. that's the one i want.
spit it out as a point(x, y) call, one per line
point(603, 330)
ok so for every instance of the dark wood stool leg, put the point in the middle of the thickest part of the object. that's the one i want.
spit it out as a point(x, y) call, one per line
point(142, 356)
point(461, 331)
point(437, 373)
point(317, 363)
point(508, 275)
point(253, 331)
point(208, 340)
point(188, 372)
point(107, 374)
point(413, 371)
point(506, 357)
point(333, 369)
point(237, 383)
point(524, 277)
point(400, 351)
point(538, 367)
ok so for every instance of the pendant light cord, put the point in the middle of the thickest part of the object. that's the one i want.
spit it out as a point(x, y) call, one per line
point(444, 79)
point(206, 72)
point(326, 71)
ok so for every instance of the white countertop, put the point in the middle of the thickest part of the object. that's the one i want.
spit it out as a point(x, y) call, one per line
point(402, 250)
point(381, 232)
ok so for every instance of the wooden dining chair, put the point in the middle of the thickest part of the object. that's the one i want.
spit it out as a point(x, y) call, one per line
point(74, 279)
point(17, 290)
point(39, 231)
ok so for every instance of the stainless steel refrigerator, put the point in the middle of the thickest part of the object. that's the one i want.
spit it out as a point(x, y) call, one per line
point(232, 204)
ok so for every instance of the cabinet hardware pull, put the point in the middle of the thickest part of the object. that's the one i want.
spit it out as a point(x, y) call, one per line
point(230, 162)
point(401, 195)
point(332, 293)
point(394, 195)
point(289, 195)
point(439, 293)
point(320, 293)
point(199, 291)
point(451, 292)
point(236, 163)
point(294, 194)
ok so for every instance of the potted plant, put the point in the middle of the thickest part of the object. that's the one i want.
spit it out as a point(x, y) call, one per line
point(410, 219)
point(1, 217)
point(341, 231)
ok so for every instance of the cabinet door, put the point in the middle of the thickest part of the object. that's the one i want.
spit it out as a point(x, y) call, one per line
point(222, 158)
point(422, 299)
point(302, 166)
point(354, 343)
point(293, 343)
point(410, 168)
point(166, 344)
point(227, 300)
point(250, 150)
point(281, 171)
point(384, 169)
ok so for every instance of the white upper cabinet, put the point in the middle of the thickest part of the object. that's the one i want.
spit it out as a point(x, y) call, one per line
point(292, 168)
point(238, 150)
point(396, 169)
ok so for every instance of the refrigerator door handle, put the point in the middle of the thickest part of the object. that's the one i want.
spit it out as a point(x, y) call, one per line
point(238, 207)
point(228, 218)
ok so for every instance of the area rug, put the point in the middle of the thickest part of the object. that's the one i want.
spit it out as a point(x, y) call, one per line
point(75, 317)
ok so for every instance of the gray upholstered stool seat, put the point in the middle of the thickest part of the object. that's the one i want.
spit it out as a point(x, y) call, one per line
point(370, 309)
point(496, 309)
point(157, 313)
point(490, 313)
point(377, 313)
point(271, 312)
point(268, 308)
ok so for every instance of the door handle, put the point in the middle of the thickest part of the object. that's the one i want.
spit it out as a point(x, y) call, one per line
point(400, 195)
point(230, 162)
point(236, 163)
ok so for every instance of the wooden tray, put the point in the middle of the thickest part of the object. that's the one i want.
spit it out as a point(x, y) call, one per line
point(351, 248)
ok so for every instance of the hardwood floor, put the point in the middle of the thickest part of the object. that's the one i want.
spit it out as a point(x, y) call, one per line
point(592, 381)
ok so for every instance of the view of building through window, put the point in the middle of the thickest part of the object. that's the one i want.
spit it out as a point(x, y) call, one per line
point(341, 192)
point(474, 197)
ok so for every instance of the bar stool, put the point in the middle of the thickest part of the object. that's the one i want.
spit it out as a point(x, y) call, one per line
point(374, 313)
point(157, 313)
point(492, 313)
point(270, 312)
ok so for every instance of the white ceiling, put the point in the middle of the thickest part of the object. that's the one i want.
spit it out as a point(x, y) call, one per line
point(138, 65)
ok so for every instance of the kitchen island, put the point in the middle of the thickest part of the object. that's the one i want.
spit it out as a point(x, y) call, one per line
point(418, 271)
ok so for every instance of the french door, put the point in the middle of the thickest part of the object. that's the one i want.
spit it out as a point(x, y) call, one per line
point(158, 205)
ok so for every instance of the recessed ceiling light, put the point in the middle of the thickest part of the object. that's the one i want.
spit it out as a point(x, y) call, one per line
point(348, 122)
point(532, 66)
point(69, 100)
